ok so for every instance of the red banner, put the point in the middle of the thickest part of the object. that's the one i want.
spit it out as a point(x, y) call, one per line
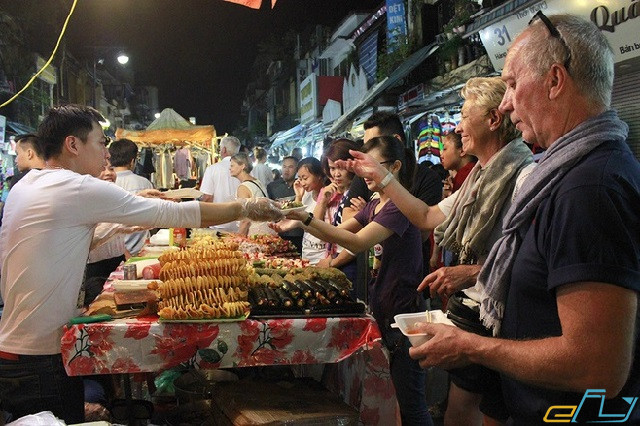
point(254, 4)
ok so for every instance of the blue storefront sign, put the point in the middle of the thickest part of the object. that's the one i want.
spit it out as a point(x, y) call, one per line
point(396, 23)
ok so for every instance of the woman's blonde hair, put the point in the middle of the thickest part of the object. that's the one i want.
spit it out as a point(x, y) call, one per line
point(487, 92)
point(242, 158)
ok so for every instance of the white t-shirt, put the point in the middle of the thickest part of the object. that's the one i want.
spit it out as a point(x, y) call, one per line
point(48, 225)
point(134, 184)
point(313, 248)
point(446, 206)
point(217, 181)
point(262, 172)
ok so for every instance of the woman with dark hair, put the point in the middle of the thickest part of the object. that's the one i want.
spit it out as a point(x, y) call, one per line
point(332, 200)
point(310, 181)
point(456, 161)
point(392, 291)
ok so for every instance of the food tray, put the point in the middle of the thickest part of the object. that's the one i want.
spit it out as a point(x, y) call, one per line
point(347, 310)
point(183, 193)
point(131, 285)
point(302, 315)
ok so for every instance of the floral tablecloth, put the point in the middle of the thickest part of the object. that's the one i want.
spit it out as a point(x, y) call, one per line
point(146, 345)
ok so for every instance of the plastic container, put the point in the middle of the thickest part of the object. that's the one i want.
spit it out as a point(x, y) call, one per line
point(406, 324)
point(130, 271)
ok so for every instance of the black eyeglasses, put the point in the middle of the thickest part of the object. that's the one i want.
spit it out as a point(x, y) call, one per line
point(387, 162)
point(554, 33)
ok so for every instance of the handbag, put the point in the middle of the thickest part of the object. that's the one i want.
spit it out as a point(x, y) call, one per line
point(464, 313)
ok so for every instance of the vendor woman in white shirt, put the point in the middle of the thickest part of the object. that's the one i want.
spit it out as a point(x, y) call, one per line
point(49, 220)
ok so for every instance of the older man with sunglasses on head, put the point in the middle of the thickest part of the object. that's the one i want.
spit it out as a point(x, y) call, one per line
point(561, 286)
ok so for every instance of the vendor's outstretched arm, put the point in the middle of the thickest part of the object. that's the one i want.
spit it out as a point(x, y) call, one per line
point(259, 209)
point(218, 213)
point(603, 312)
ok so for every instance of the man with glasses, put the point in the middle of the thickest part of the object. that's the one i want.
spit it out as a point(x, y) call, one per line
point(560, 288)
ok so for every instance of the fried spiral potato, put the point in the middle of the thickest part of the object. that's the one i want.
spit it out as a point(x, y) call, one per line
point(204, 282)
point(211, 296)
point(217, 250)
point(205, 311)
point(171, 288)
point(189, 268)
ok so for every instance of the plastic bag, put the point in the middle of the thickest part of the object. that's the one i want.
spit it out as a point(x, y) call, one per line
point(44, 418)
point(164, 382)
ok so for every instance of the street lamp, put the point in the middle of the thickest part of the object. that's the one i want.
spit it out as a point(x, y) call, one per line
point(122, 59)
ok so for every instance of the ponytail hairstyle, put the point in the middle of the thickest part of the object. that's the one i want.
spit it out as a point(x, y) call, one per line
point(392, 149)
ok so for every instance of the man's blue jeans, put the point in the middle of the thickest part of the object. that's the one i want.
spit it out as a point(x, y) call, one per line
point(408, 379)
point(37, 383)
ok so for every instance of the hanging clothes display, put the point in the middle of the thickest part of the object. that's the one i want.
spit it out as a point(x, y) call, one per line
point(163, 177)
point(202, 161)
point(447, 124)
point(429, 139)
point(182, 162)
point(144, 164)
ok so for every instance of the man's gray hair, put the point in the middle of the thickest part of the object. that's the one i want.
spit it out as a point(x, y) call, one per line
point(591, 65)
point(231, 143)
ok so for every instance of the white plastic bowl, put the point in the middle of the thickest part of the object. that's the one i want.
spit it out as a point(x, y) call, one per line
point(406, 322)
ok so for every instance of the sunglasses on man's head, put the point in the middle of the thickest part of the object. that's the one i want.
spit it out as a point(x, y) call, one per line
point(554, 33)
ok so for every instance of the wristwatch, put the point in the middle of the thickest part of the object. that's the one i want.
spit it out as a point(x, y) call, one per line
point(384, 182)
point(308, 220)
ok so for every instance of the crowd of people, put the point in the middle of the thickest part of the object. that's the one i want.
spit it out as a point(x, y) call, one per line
point(546, 254)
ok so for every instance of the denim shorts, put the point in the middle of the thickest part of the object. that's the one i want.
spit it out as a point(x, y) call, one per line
point(35, 383)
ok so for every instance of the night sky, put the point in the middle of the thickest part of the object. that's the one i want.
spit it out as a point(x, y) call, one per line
point(197, 52)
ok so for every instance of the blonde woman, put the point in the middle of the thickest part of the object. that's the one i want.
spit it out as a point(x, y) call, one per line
point(240, 167)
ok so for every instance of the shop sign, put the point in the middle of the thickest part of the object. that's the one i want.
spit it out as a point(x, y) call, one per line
point(396, 23)
point(619, 21)
point(308, 99)
point(49, 73)
point(416, 93)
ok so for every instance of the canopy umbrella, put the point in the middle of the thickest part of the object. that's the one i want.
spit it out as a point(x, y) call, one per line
point(169, 119)
point(171, 128)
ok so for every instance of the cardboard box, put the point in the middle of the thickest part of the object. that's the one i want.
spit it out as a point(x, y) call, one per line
point(296, 403)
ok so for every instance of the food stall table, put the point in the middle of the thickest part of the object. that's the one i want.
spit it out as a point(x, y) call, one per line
point(147, 345)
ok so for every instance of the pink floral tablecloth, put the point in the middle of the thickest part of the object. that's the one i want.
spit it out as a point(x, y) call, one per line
point(145, 345)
